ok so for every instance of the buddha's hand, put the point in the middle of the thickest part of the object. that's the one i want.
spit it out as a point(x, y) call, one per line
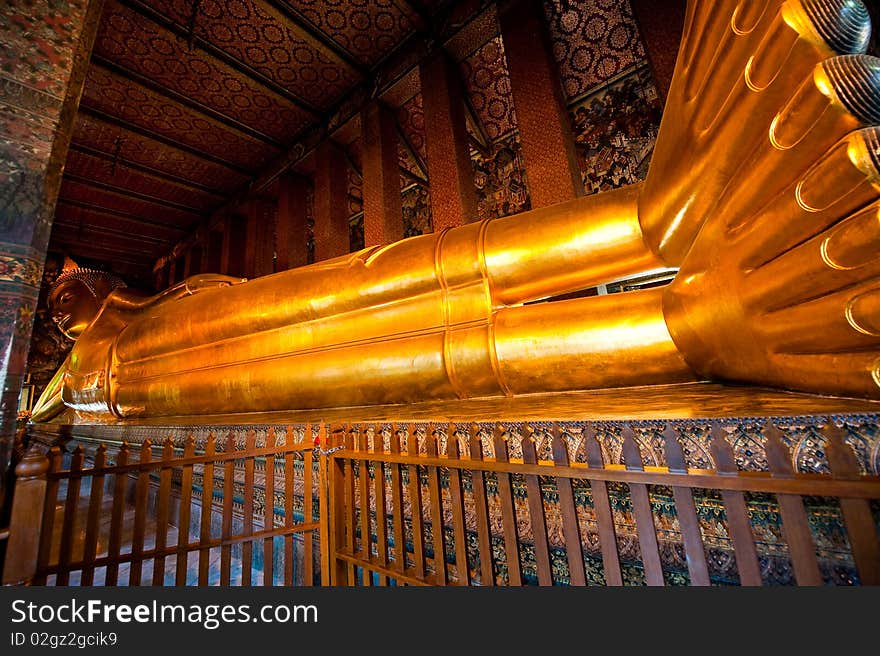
point(789, 296)
point(746, 70)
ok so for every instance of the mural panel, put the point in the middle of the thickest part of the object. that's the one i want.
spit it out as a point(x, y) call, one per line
point(615, 127)
point(416, 201)
point(500, 179)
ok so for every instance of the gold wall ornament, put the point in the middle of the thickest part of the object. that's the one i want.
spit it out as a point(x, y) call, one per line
point(763, 189)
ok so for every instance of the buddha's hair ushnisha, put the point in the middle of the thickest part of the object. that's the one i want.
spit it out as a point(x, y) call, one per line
point(90, 278)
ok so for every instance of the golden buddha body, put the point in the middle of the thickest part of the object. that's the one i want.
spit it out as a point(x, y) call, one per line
point(763, 189)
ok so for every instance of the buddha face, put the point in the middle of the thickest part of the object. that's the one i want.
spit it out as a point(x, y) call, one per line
point(73, 306)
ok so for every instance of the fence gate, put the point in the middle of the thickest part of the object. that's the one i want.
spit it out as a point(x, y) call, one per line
point(177, 515)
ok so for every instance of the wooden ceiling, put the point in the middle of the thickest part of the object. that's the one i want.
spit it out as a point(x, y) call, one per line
point(188, 102)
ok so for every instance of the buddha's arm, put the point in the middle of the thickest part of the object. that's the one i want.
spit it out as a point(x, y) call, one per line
point(51, 404)
point(126, 301)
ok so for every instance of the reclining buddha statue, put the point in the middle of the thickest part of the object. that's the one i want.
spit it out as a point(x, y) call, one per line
point(762, 191)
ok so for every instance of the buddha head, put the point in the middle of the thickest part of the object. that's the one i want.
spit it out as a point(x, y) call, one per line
point(77, 295)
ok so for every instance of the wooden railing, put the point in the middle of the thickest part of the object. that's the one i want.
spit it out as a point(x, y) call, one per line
point(78, 541)
point(373, 542)
point(448, 504)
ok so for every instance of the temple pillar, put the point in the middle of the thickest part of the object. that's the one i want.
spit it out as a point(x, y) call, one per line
point(43, 62)
point(450, 172)
point(544, 128)
point(251, 243)
point(262, 215)
point(259, 248)
point(232, 261)
point(291, 248)
point(214, 250)
point(383, 212)
point(331, 202)
point(225, 247)
point(159, 278)
point(193, 260)
point(180, 267)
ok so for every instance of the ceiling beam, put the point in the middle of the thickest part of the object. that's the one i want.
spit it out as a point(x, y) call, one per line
point(99, 252)
point(122, 215)
point(118, 235)
point(75, 217)
point(155, 136)
point(74, 235)
point(221, 55)
point(315, 35)
point(189, 103)
point(134, 194)
point(142, 168)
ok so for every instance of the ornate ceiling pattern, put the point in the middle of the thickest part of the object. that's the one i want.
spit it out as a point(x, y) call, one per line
point(593, 41)
point(77, 216)
point(142, 48)
point(115, 175)
point(77, 192)
point(94, 238)
point(190, 104)
point(261, 38)
point(115, 96)
point(96, 134)
point(369, 29)
point(488, 85)
point(187, 102)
